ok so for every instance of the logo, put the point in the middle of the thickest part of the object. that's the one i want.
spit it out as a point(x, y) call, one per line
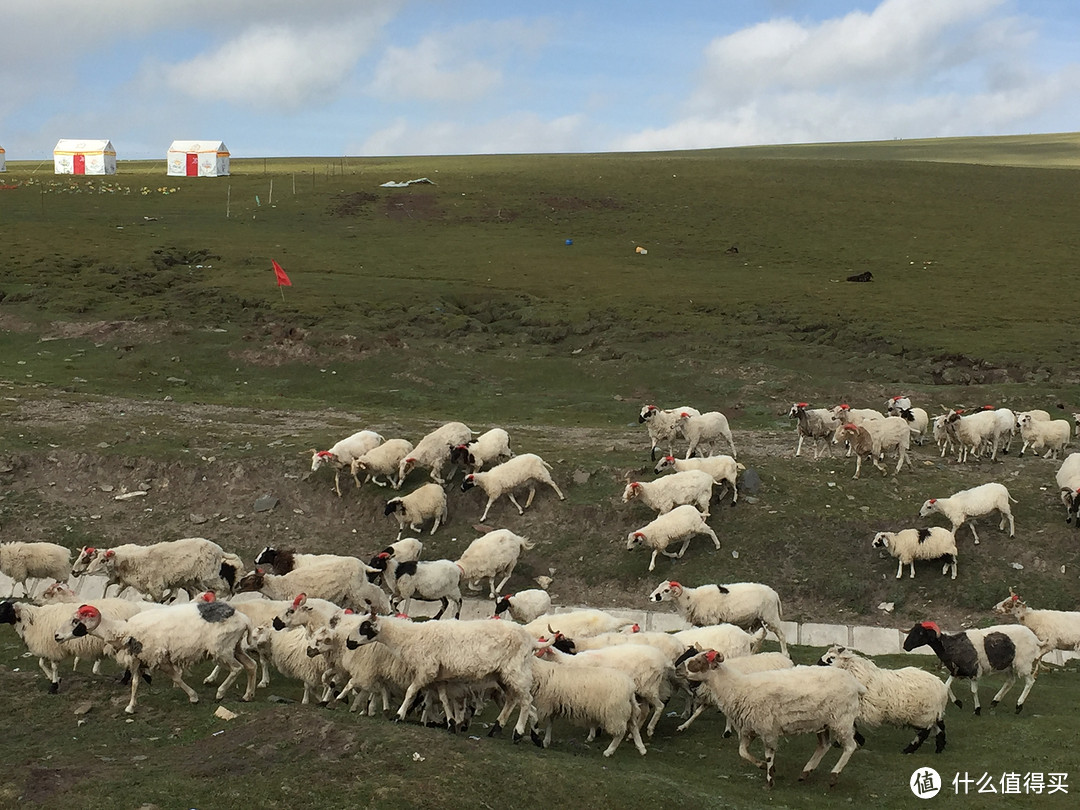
point(925, 783)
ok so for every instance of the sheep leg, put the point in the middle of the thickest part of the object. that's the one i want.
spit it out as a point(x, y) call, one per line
point(975, 695)
point(497, 589)
point(745, 738)
point(952, 697)
point(682, 550)
point(850, 744)
point(555, 487)
point(715, 539)
point(52, 673)
point(1029, 681)
point(513, 500)
point(337, 482)
point(658, 711)
point(177, 676)
point(445, 604)
point(900, 569)
point(815, 758)
point(975, 534)
point(635, 729)
point(1012, 524)
point(911, 565)
point(407, 702)
point(920, 738)
point(135, 670)
point(652, 560)
point(798, 447)
point(616, 738)
point(489, 503)
point(858, 467)
point(213, 676)
point(779, 633)
point(697, 713)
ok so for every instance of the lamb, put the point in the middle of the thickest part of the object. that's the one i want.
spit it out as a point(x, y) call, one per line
point(341, 455)
point(575, 623)
point(705, 430)
point(663, 425)
point(974, 654)
point(524, 606)
point(747, 604)
point(818, 424)
point(1055, 629)
point(960, 507)
point(288, 651)
point(343, 584)
point(426, 503)
point(701, 696)
point(1053, 435)
point(681, 523)
point(972, 431)
point(171, 639)
point(782, 702)
point(37, 626)
point(483, 451)
point(723, 469)
point(935, 543)
point(1068, 481)
point(433, 451)
point(459, 650)
point(595, 697)
point(664, 494)
point(651, 670)
point(941, 434)
point(527, 469)
point(436, 580)
point(897, 697)
point(25, 561)
point(192, 564)
point(490, 557)
point(384, 460)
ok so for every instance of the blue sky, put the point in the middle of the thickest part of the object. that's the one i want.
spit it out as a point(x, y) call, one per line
point(397, 77)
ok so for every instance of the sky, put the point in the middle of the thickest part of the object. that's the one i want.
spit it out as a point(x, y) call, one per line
point(423, 77)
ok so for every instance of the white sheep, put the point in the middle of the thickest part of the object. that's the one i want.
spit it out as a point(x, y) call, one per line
point(426, 503)
point(1068, 481)
point(779, 703)
point(343, 584)
point(484, 450)
point(172, 639)
point(593, 697)
point(663, 425)
point(818, 424)
point(341, 455)
point(681, 523)
point(284, 560)
point(730, 639)
point(37, 627)
point(431, 581)
point(892, 433)
point(575, 624)
point(261, 612)
point(25, 561)
point(692, 487)
point(845, 414)
point(384, 460)
point(492, 556)
point(960, 507)
point(747, 604)
point(667, 643)
point(287, 650)
point(433, 451)
point(191, 564)
point(918, 422)
point(896, 697)
point(723, 469)
point(935, 543)
point(526, 470)
point(524, 606)
point(1055, 629)
point(459, 650)
point(651, 670)
point(972, 431)
point(1053, 435)
point(705, 430)
point(973, 654)
point(897, 404)
point(701, 696)
point(942, 438)
point(309, 613)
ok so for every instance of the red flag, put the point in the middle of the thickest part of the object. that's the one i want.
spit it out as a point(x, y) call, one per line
point(282, 278)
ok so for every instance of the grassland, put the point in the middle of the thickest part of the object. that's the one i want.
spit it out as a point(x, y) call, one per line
point(143, 342)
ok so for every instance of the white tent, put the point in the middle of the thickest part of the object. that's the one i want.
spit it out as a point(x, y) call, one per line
point(198, 159)
point(3, 163)
point(84, 157)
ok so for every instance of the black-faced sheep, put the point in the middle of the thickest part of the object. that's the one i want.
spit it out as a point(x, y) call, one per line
point(423, 504)
point(909, 545)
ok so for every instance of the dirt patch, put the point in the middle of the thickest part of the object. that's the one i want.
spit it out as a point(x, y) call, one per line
point(351, 204)
point(568, 203)
point(413, 205)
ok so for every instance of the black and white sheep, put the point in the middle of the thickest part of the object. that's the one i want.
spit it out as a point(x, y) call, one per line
point(749, 605)
point(973, 654)
point(341, 455)
point(779, 703)
point(25, 561)
point(172, 639)
point(524, 606)
point(818, 424)
point(723, 469)
point(692, 487)
point(430, 581)
point(960, 507)
point(1068, 481)
point(483, 451)
point(423, 504)
point(705, 431)
point(384, 460)
point(896, 697)
point(526, 470)
point(492, 556)
point(681, 523)
point(909, 545)
point(433, 451)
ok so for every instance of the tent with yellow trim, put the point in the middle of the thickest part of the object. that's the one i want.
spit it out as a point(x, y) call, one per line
point(73, 156)
point(197, 159)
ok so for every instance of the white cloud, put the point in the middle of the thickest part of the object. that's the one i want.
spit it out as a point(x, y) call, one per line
point(523, 133)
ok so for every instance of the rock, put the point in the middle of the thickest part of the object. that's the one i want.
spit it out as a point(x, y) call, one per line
point(198, 520)
point(887, 606)
point(127, 496)
point(106, 487)
point(225, 714)
point(265, 503)
point(749, 481)
point(543, 581)
point(83, 708)
point(581, 477)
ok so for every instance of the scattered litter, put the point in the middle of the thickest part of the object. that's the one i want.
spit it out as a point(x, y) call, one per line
point(398, 184)
point(887, 606)
point(416, 757)
point(831, 484)
point(735, 555)
point(217, 733)
point(1017, 566)
point(640, 250)
point(225, 714)
point(127, 496)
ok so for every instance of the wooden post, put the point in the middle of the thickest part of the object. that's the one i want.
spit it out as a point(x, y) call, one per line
point(270, 196)
point(228, 200)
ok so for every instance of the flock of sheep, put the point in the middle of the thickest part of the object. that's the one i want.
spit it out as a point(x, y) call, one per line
point(332, 622)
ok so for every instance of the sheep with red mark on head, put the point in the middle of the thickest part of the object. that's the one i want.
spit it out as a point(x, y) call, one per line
point(818, 424)
point(861, 417)
point(1053, 435)
point(663, 426)
point(723, 469)
point(433, 451)
point(344, 583)
point(384, 460)
point(682, 523)
point(1055, 629)
point(526, 470)
point(692, 487)
point(483, 451)
point(701, 696)
point(341, 455)
point(749, 605)
point(705, 430)
point(960, 507)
